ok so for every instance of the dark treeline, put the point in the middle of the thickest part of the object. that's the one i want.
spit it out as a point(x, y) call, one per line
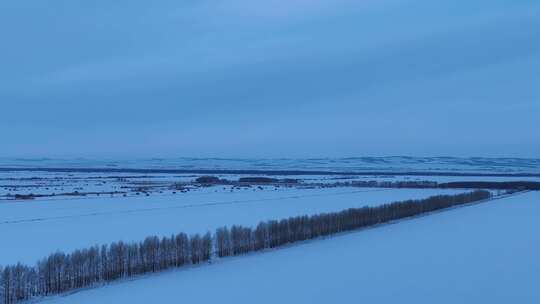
point(507, 185)
point(493, 185)
point(214, 180)
point(60, 272)
point(420, 184)
point(389, 184)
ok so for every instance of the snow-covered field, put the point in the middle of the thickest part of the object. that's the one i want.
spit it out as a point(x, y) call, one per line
point(391, 163)
point(29, 230)
point(73, 210)
point(485, 253)
point(61, 185)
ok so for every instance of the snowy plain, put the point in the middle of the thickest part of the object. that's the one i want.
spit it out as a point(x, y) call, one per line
point(60, 183)
point(31, 230)
point(348, 164)
point(485, 253)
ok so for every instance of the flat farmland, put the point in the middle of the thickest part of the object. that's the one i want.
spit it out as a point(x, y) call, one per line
point(486, 253)
point(30, 230)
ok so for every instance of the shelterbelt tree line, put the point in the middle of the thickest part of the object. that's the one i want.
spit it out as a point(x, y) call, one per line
point(61, 272)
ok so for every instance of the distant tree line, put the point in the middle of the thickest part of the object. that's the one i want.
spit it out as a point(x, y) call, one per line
point(507, 185)
point(395, 184)
point(61, 272)
point(493, 185)
point(214, 180)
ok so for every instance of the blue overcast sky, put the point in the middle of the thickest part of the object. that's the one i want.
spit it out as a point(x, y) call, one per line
point(248, 78)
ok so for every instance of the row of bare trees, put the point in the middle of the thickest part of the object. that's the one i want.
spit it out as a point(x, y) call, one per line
point(60, 272)
point(271, 234)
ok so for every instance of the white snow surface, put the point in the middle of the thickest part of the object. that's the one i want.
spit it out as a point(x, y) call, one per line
point(60, 183)
point(486, 253)
point(348, 164)
point(30, 230)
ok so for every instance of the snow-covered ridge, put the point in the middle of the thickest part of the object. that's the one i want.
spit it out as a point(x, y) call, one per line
point(393, 163)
